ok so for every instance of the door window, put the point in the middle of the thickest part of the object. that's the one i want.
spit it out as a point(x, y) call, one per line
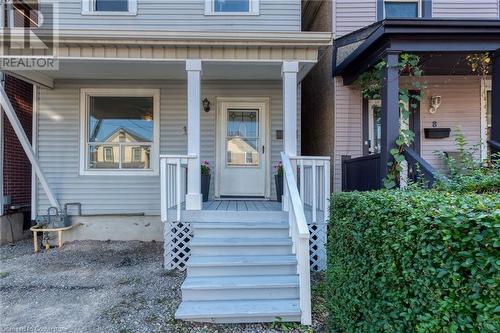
point(242, 139)
point(374, 127)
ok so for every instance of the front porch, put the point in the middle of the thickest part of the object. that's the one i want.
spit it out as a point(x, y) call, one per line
point(123, 127)
point(456, 99)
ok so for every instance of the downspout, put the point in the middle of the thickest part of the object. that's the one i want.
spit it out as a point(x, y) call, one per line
point(25, 143)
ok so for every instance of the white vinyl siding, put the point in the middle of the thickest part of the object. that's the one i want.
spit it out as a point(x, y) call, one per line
point(58, 142)
point(184, 15)
point(485, 9)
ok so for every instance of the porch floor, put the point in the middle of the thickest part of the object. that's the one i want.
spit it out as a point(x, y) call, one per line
point(242, 205)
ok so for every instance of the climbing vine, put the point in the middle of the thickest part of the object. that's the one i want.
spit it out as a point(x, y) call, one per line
point(371, 86)
point(479, 64)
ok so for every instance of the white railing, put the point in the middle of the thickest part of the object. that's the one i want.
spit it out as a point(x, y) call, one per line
point(173, 176)
point(314, 184)
point(299, 232)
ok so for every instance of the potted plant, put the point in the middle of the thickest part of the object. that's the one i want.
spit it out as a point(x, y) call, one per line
point(278, 178)
point(205, 180)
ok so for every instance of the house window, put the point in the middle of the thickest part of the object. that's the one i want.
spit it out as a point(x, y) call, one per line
point(120, 131)
point(402, 8)
point(109, 7)
point(108, 154)
point(231, 7)
point(136, 154)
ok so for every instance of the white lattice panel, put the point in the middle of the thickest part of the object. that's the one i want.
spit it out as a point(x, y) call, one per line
point(179, 234)
point(317, 246)
point(177, 238)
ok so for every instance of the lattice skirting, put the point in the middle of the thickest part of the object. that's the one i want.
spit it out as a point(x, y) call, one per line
point(317, 246)
point(177, 237)
point(179, 234)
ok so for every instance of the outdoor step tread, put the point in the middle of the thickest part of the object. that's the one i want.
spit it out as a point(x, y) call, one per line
point(237, 282)
point(238, 308)
point(240, 225)
point(209, 241)
point(248, 260)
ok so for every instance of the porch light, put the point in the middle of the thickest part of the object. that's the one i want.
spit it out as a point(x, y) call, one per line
point(206, 104)
point(435, 104)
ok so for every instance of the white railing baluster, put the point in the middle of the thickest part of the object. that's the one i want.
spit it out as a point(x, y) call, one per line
point(163, 189)
point(178, 189)
point(302, 174)
point(172, 184)
point(326, 180)
point(314, 191)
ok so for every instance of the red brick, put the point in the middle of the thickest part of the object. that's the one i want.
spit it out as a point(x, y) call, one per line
point(17, 169)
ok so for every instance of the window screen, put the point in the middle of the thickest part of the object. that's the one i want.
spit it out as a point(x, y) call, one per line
point(399, 9)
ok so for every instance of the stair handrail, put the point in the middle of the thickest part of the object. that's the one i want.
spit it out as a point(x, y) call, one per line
point(299, 232)
point(171, 190)
point(416, 161)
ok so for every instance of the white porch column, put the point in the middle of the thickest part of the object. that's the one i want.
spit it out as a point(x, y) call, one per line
point(289, 72)
point(193, 196)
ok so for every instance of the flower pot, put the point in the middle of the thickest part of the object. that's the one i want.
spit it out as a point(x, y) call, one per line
point(205, 186)
point(279, 187)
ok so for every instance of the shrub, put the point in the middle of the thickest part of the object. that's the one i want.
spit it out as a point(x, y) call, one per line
point(414, 261)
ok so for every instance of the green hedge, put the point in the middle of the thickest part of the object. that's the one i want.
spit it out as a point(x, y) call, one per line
point(414, 261)
point(483, 180)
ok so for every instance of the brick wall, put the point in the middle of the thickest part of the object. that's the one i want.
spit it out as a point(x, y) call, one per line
point(17, 168)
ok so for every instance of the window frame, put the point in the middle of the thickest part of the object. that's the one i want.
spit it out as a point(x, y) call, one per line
point(253, 9)
point(85, 95)
point(88, 8)
point(105, 150)
point(419, 8)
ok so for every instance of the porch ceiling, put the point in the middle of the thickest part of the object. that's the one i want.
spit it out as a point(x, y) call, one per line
point(155, 70)
point(357, 52)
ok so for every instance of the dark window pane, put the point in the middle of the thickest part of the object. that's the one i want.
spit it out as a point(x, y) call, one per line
point(231, 6)
point(401, 9)
point(120, 119)
point(111, 5)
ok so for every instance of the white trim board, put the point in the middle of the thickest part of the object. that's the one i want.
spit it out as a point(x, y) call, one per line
point(85, 93)
point(485, 86)
point(251, 102)
point(34, 145)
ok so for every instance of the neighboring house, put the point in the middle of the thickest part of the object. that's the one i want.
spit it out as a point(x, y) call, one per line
point(358, 133)
point(121, 129)
point(15, 169)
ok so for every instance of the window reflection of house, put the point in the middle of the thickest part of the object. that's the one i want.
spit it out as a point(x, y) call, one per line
point(241, 151)
point(132, 156)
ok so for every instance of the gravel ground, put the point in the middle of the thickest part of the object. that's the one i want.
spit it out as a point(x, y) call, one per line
point(104, 287)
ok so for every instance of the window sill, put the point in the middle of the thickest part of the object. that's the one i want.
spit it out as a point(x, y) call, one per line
point(119, 173)
point(231, 14)
point(109, 13)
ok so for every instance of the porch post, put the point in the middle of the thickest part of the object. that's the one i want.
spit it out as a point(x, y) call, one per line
point(495, 103)
point(289, 73)
point(193, 196)
point(390, 109)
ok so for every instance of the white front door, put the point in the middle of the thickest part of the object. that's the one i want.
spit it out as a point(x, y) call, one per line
point(242, 148)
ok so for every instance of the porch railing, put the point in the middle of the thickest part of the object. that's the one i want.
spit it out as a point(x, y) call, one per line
point(418, 168)
point(299, 232)
point(314, 183)
point(173, 184)
point(361, 173)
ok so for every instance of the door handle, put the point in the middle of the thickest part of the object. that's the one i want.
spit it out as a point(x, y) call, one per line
point(263, 149)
